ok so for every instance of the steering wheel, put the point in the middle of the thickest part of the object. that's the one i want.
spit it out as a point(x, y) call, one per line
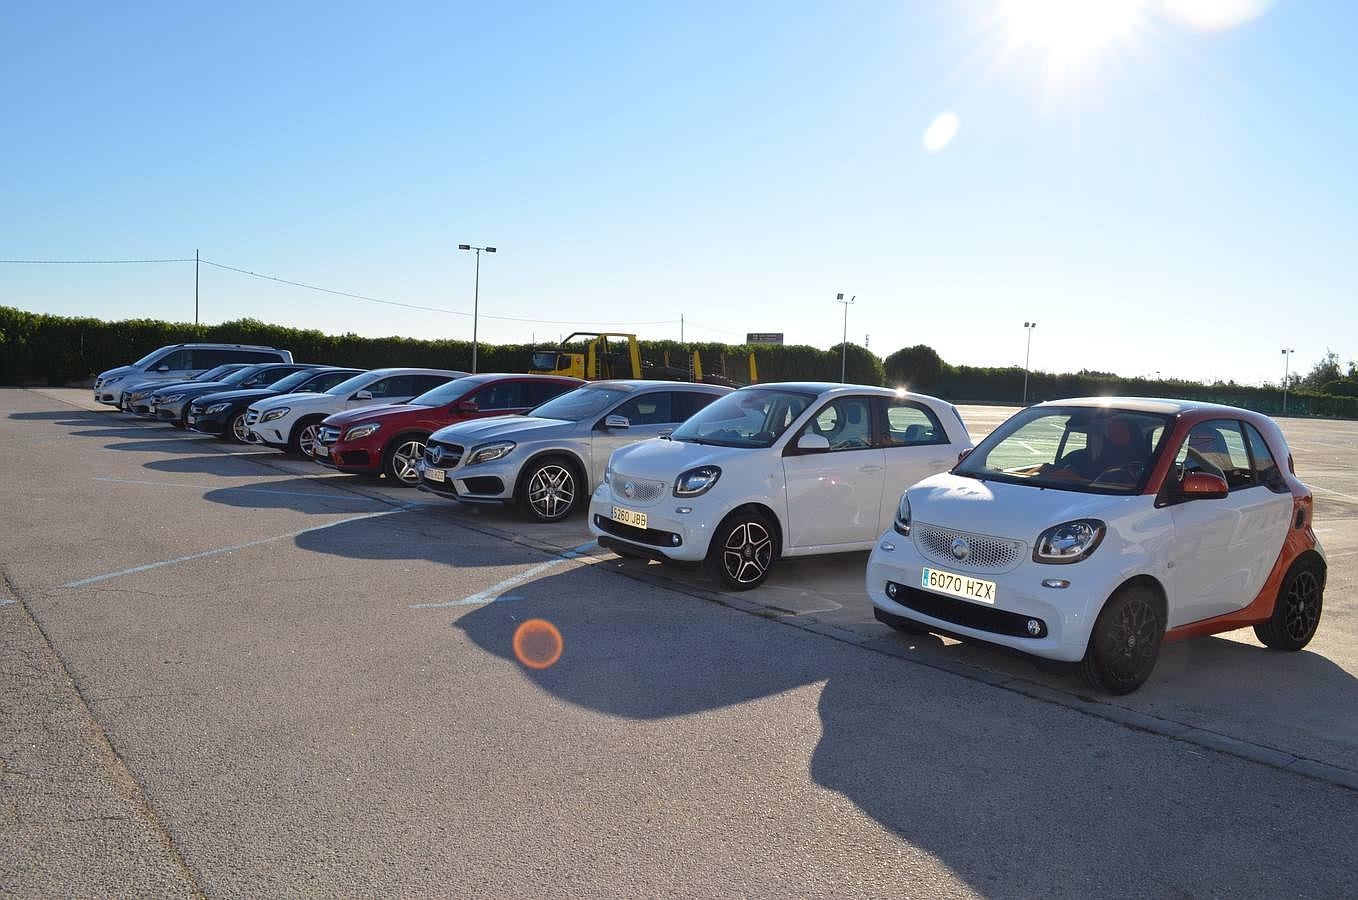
point(1127, 474)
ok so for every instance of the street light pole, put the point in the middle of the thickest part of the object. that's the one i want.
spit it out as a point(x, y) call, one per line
point(476, 296)
point(1287, 359)
point(1027, 356)
point(844, 343)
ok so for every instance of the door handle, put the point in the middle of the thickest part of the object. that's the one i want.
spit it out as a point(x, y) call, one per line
point(869, 468)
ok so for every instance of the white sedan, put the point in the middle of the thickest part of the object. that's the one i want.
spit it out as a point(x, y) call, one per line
point(774, 470)
point(291, 421)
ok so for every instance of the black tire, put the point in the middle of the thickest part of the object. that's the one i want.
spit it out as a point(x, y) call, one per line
point(1124, 644)
point(303, 434)
point(1296, 611)
point(399, 458)
point(235, 429)
point(743, 550)
point(550, 489)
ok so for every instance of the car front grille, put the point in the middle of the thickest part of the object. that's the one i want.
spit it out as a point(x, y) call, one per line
point(251, 416)
point(637, 490)
point(328, 435)
point(445, 456)
point(983, 552)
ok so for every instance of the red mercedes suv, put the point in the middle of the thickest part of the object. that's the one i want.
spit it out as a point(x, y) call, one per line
point(390, 439)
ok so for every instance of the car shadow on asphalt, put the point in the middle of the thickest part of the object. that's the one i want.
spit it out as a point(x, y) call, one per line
point(1017, 797)
point(416, 535)
point(215, 461)
point(73, 418)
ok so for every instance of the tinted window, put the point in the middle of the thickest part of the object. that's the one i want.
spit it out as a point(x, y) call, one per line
point(1266, 469)
point(422, 383)
point(262, 356)
point(501, 395)
point(395, 386)
point(1217, 448)
point(655, 408)
point(204, 359)
point(536, 392)
point(175, 361)
point(846, 422)
point(286, 384)
point(909, 424)
point(688, 403)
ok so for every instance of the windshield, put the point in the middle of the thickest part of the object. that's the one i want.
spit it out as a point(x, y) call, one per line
point(547, 361)
point(447, 392)
point(750, 417)
point(1093, 450)
point(214, 374)
point(288, 383)
point(239, 374)
point(147, 358)
point(349, 385)
point(581, 403)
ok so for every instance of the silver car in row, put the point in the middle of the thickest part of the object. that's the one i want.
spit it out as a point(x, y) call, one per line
point(551, 459)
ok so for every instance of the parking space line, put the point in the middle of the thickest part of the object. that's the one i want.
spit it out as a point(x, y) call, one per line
point(220, 550)
point(495, 592)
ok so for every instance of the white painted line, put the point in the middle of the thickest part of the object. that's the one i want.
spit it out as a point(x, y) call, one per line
point(208, 487)
point(6, 601)
point(494, 592)
point(220, 550)
point(1027, 446)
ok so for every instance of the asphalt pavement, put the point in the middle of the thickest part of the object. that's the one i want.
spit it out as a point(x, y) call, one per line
point(232, 673)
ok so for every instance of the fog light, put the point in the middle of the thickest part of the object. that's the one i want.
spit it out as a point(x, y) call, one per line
point(1055, 583)
point(1034, 627)
point(887, 546)
point(683, 510)
point(891, 589)
point(674, 540)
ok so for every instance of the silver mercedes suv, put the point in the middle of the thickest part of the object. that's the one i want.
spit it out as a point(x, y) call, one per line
point(550, 460)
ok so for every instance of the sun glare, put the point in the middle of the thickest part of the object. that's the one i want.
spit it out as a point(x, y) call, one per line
point(1070, 29)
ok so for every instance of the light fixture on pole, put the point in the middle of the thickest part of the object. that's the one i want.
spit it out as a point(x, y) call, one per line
point(844, 344)
point(1027, 356)
point(476, 295)
point(1287, 359)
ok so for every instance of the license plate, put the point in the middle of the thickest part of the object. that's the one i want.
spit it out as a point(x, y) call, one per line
point(192, 420)
point(973, 589)
point(629, 517)
point(437, 475)
point(323, 450)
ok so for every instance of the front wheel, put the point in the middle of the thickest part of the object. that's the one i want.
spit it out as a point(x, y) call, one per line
point(742, 551)
point(1125, 642)
point(399, 459)
point(1296, 612)
point(237, 431)
point(305, 437)
point(549, 490)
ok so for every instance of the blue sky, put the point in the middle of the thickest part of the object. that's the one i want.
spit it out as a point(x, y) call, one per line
point(1174, 199)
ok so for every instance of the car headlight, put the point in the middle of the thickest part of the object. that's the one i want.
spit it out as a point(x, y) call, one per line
point(114, 380)
point(608, 472)
point(274, 414)
point(696, 481)
point(902, 520)
point(170, 398)
point(361, 431)
point(216, 408)
point(490, 452)
point(1069, 542)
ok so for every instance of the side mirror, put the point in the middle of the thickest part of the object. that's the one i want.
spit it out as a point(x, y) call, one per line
point(162, 368)
point(1203, 486)
point(617, 422)
point(964, 454)
point(363, 395)
point(467, 406)
point(666, 432)
point(810, 441)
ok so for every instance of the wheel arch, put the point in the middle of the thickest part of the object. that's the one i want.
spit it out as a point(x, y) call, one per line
point(1151, 583)
point(573, 459)
point(752, 506)
point(403, 435)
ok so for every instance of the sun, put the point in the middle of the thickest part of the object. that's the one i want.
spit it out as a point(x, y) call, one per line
point(1068, 30)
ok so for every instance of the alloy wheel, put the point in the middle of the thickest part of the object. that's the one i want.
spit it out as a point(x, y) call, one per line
point(1129, 641)
point(403, 461)
point(306, 440)
point(1302, 613)
point(551, 491)
point(238, 429)
point(747, 553)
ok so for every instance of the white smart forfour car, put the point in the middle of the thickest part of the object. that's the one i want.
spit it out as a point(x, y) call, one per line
point(1094, 530)
point(773, 470)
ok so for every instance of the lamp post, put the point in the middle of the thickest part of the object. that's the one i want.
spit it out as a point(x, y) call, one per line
point(844, 343)
point(1287, 360)
point(1027, 326)
point(476, 295)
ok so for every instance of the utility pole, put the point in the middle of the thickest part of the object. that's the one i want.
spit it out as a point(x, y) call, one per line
point(1287, 360)
point(681, 328)
point(1028, 326)
point(195, 287)
point(476, 296)
point(844, 343)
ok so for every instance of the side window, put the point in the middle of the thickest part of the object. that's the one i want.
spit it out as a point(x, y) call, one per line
point(503, 395)
point(210, 359)
point(422, 383)
point(687, 403)
point(395, 386)
point(1217, 448)
point(909, 424)
point(251, 356)
point(1266, 470)
point(175, 361)
point(539, 392)
point(654, 408)
point(845, 422)
point(325, 382)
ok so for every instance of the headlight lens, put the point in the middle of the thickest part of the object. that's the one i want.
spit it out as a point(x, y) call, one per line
point(275, 414)
point(114, 380)
point(696, 481)
point(490, 452)
point(902, 521)
point(361, 431)
point(216, 408)
point(170, 398)
point(608, 472)
point(1069, 542)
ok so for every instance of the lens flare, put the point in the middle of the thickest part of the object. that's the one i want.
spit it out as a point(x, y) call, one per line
point(538, 644)
point(941, 131)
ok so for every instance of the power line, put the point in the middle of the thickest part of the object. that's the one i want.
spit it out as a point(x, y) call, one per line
point(88, 262)
point(706, 327)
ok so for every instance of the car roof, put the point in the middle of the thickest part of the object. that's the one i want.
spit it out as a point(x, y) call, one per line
point(836, 387)
point(226, 346)
point(638, 384)
point(482, 377)
point(449, 372)
point(1158, 405)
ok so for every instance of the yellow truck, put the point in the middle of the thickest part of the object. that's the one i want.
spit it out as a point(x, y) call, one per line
point(616, 355)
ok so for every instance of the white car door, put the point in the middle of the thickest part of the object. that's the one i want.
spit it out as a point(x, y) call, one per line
point(834, 496)
point(392, 389)
point(1224, 548)
point(915, 445)
point(647, 415)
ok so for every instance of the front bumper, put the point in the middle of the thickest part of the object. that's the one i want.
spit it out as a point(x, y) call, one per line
point(677, 537)
point(351, 456)
point(215, 424)
point(170, 412)
point(490, 483)
point(1065, 615)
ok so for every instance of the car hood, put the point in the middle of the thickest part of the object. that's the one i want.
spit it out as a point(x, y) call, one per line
point(518, 427)
point(1016, 511)
point(305, 400)
point(116, 370)
point(663, 460)
point(371, 413)
point(242, 395)
point(192, 388)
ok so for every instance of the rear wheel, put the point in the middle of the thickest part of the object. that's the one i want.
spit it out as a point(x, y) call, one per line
point(305, 437)
point(743, 550)
point(1124, 644)
point(1296, 612)
point(398, 460)
point(549, 489)
point(237, 431)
